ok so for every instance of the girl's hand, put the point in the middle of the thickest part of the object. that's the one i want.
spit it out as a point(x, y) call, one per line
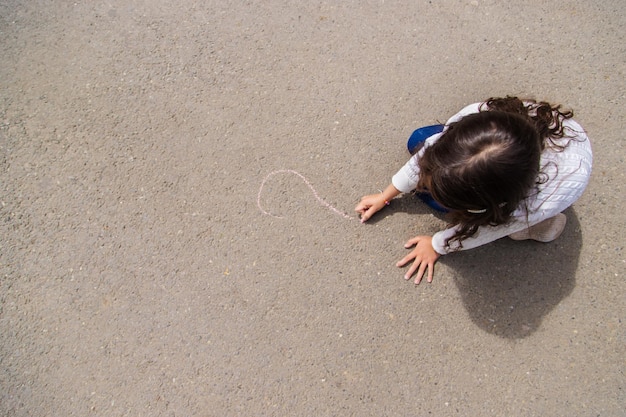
point(369, 205)
point(423, 256)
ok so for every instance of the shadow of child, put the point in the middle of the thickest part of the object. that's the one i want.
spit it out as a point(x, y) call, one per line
point(508, 286)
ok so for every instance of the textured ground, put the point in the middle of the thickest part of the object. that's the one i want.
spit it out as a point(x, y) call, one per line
point(140, 277)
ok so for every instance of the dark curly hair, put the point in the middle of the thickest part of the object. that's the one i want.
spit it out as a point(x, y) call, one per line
point(547, 118)
point(484, 165)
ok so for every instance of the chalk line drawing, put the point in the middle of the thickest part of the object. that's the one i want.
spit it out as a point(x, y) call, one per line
point(308, 184)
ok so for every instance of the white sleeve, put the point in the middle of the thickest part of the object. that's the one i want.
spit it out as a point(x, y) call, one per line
point(405, 180)
point(484, 235)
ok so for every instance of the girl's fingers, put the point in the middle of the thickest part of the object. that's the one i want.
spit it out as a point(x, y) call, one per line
point(431, 268)
point(365, 215)
point(363, 205)
point(419, 269)
point(412, 241)
point(360, 208)
point(405, 260)
point(412, 269)
point(420, 273)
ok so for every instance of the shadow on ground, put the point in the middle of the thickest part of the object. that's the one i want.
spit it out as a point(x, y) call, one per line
point(508, 287)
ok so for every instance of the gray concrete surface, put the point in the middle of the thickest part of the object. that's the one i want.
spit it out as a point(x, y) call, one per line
point(139, 277)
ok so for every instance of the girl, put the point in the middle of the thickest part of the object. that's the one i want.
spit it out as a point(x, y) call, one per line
point(505, 167)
